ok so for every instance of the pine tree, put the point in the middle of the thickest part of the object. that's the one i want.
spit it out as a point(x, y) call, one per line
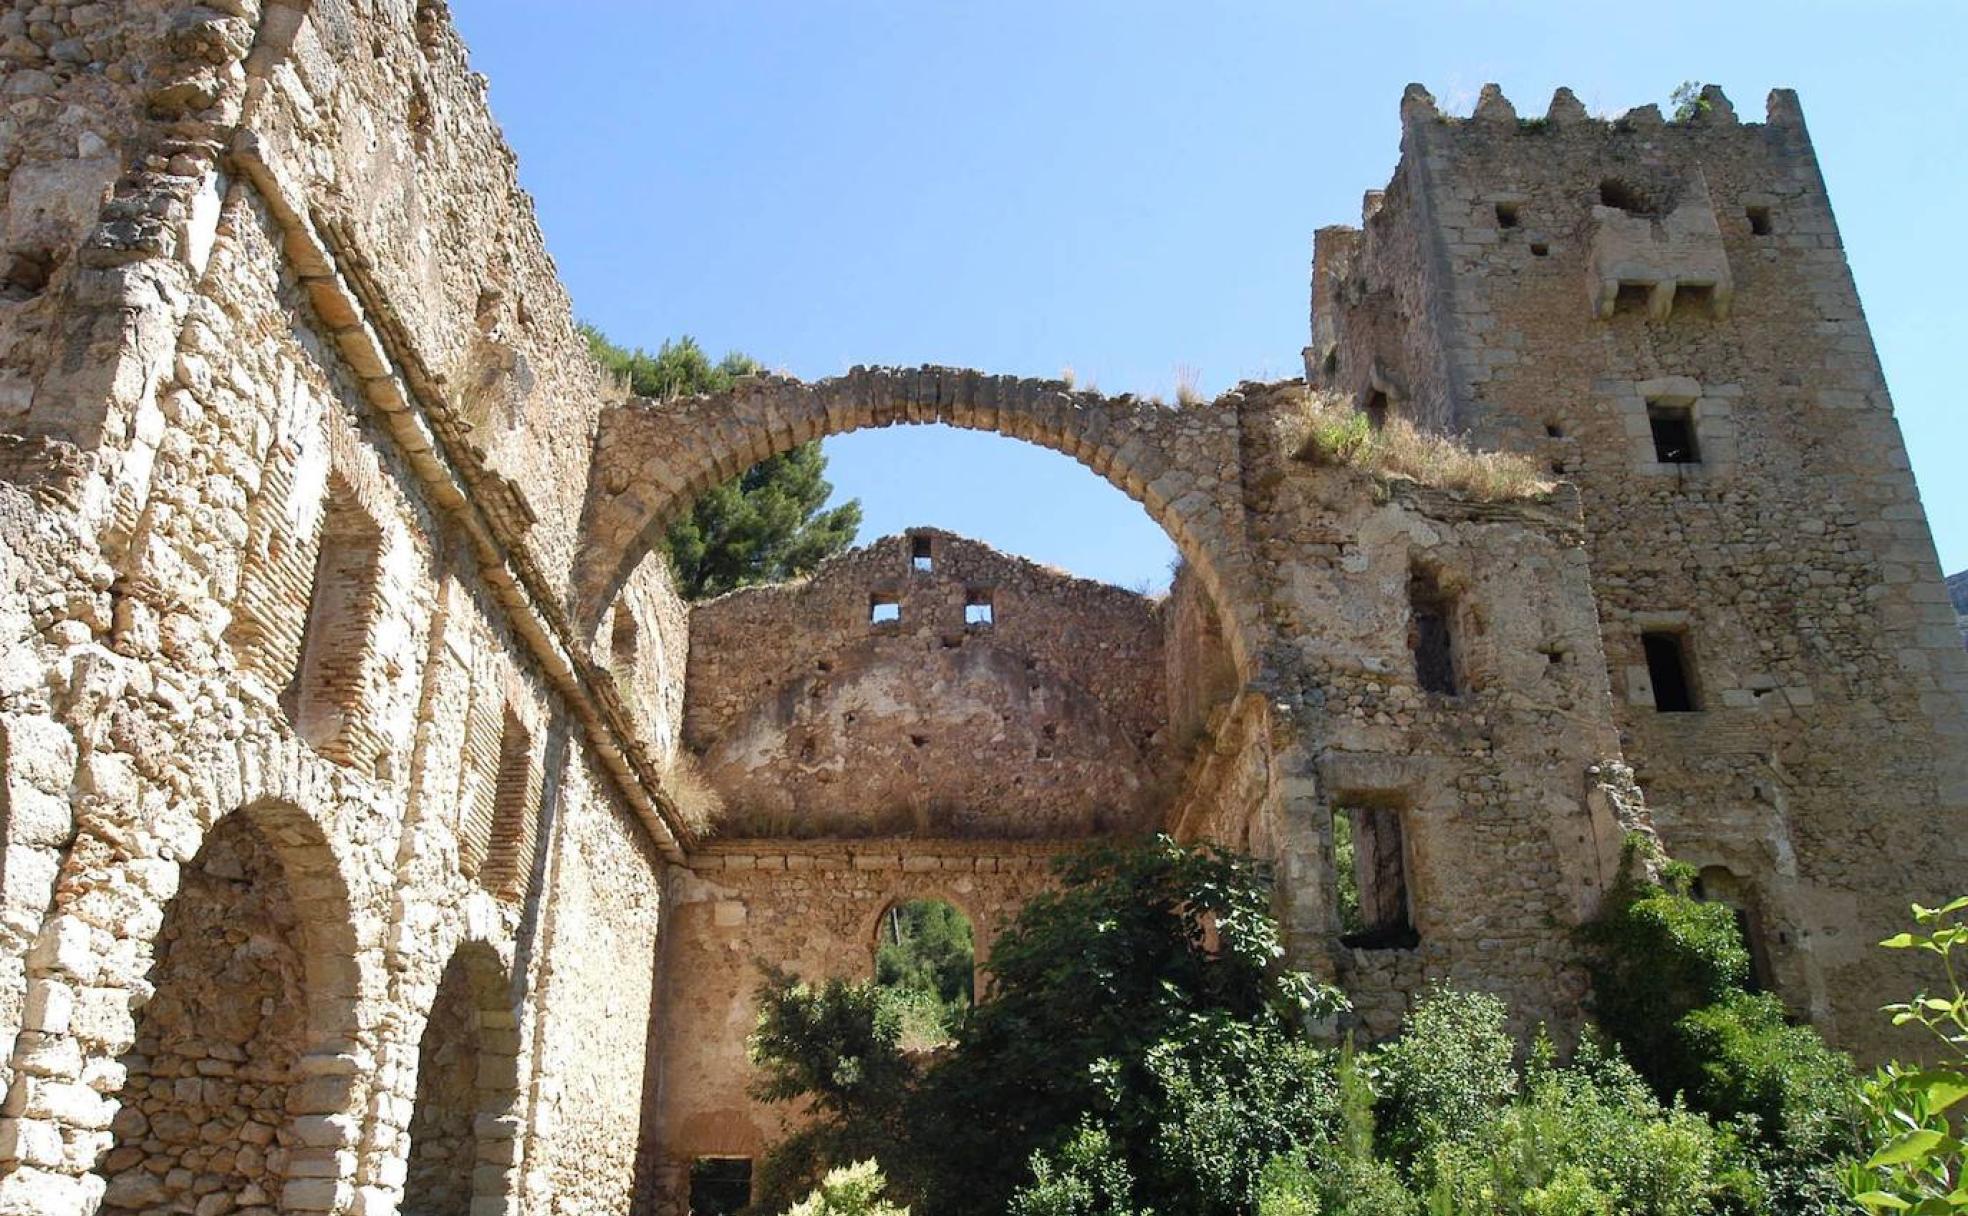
point(766, 525)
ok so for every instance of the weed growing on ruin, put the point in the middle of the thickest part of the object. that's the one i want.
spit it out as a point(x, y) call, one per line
point(1671, 979)
point(1338, 434)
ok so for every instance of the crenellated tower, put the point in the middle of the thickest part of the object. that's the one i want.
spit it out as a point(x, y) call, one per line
point(1662, 311)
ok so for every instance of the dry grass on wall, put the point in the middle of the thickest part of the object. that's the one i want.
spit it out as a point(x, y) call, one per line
point(697, 804)
point(1338, 434)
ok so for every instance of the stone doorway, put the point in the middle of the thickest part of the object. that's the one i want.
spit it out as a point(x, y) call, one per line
point(204, 1110)
point(462, 1136)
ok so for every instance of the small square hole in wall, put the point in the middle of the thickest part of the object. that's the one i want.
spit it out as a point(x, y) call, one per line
point(883, 609)
point(1554, 430)
point(978, 610)
point(1539, 249)
point(1633, 297)
point(920, 555)
point(1693, 300)
point(1759, 220)
point(1673, 428)
point(1506, 215)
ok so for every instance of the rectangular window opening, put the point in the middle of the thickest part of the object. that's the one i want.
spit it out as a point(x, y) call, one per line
point(1669, 672)
point(978, 610)
point(1759, 220)
point(1506, 215)
point(921, 555)
point(884, 609)
point(720, 1186)
point(1369, 861)
point(1693, 300)
point(1430, 610)
point(1673, 428)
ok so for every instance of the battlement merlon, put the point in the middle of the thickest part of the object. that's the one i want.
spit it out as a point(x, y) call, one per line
point(1712, 109)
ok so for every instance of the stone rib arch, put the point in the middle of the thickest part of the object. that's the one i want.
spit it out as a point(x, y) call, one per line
point(254, 978)
point(653, 459)
point(461, 1142)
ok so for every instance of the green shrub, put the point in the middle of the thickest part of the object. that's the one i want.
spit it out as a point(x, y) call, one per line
point(1444, 1076)
point(1753, 1063)
point(1913, 1128)
point(854, 1190)
point(1588, 1139)
point(836, 1047)
point(1086, 1177)
point(1657, 955)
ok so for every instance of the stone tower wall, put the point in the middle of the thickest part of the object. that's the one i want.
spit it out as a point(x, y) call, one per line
point(1825, 768)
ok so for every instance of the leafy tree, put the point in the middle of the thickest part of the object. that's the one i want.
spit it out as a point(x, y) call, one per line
point(836, 1047)
point(1687, 101)
point(1145, 995)
point(768, 524)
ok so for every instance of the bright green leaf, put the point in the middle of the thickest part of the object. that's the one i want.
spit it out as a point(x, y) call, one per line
point(1910, 1147)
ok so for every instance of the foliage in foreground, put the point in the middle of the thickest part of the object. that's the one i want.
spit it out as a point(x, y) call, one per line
point(1338, 434)
point(766, 525)
point(1671, 978)
point(1913, 1122)
point(853, 1190)
point(1143, 1052)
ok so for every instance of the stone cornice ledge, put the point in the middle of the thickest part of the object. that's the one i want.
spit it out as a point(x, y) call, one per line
point(392, 383)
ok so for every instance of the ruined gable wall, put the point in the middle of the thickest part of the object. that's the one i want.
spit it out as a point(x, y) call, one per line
point(1825, 765)
point(814, 720)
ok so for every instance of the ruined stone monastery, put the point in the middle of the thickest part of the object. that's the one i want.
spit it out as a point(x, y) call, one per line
point(351, 727)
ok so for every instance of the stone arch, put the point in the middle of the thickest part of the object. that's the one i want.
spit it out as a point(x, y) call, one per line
point(463, 1139)
point(653, 459)
point(249, 1028)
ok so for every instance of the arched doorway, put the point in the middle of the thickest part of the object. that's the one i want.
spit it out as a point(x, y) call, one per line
point(253, 969)
point(461, 1139)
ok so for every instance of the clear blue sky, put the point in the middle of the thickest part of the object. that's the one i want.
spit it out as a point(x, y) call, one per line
point(1125, 187)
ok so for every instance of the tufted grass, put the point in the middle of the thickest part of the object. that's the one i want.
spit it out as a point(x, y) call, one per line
point(696, 803)
point(1338, 434)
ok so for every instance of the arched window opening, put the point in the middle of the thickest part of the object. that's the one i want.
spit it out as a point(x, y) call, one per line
point(325, 700)
point(624, 638)
point(926, 960)
point(466, 1075)
point(204, 1106)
